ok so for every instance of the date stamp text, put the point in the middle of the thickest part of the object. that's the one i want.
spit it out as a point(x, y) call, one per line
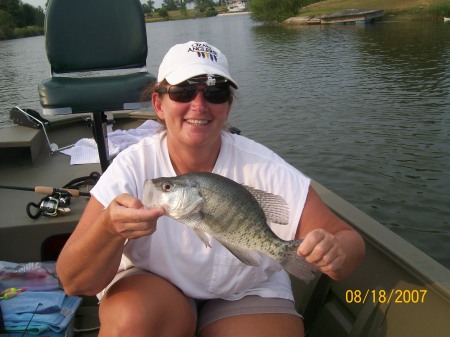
point(381, 296)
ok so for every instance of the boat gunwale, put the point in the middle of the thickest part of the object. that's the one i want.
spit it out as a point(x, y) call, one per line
point(405, 255)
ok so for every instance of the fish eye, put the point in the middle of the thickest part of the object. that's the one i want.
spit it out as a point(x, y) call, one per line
point(166, 187)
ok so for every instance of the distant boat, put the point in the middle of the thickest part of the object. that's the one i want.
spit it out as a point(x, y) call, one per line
point(446, 19)
point(237, 6)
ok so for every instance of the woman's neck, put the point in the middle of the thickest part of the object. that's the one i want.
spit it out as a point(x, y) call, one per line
point(193, 159)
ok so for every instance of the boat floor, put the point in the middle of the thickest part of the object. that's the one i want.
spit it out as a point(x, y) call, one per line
point(25, 162)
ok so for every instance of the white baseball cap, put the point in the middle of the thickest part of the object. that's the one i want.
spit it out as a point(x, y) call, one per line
point(191, 59)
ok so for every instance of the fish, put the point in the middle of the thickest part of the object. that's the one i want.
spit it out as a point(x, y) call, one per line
point(234, 214)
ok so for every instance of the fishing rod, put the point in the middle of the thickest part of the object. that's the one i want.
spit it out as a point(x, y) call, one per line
point(48, 190)
point(56, 200)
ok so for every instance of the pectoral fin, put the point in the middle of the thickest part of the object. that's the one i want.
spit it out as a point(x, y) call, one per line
point(247, 256)
point(202, 236)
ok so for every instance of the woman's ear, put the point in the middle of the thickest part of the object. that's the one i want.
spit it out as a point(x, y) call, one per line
point(157, 105)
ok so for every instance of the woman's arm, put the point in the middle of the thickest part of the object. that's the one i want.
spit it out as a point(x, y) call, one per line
point(328, 242)
point(91, 257)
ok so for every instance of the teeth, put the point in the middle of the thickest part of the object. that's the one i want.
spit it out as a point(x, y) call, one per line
point(197, 122)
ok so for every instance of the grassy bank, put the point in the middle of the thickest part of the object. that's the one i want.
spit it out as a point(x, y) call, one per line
point(400, 9)
point(426, 10)
point(17, 33)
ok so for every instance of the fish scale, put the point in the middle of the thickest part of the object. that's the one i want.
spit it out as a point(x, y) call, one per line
point(260, 236)
point(234, 214)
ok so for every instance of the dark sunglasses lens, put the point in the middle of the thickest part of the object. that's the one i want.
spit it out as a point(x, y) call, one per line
point(217, 95)
point(186, 93)
point(182, 94)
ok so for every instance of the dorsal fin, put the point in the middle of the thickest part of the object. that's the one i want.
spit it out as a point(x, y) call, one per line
point(275, 207)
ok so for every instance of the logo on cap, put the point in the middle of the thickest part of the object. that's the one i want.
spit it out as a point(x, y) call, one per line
point(204, 51)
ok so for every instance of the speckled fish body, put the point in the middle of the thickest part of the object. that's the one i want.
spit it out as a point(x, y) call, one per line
point(234, 214)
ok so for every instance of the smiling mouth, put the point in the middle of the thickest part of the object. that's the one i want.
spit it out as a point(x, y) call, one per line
point(197, 122)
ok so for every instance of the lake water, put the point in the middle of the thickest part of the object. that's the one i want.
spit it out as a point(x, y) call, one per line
point(364, 110)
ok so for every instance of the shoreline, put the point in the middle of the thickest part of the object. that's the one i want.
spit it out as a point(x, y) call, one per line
point(304, 19)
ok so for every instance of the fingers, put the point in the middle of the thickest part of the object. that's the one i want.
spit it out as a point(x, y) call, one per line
point(130, 219)
point(323, 250)
point(133, 223)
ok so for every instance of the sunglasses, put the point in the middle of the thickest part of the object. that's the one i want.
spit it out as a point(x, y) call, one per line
point(216, 94)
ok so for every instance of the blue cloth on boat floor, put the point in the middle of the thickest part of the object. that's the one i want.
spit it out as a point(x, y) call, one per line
point(40, 310)
point(50, 301)
point(47, 333)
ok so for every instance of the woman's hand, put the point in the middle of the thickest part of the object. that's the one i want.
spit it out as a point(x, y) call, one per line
point(323, 250)
point(329, 243)
point(129, 218)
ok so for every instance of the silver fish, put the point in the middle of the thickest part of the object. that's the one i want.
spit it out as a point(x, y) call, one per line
point(236, 215)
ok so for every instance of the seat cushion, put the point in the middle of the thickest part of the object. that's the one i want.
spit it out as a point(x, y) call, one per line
point(89, 94)
point(89, 35)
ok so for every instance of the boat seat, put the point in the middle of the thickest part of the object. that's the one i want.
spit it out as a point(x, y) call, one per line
point(97, 50)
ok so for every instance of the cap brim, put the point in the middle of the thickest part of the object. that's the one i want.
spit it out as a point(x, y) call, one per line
point(181, 75)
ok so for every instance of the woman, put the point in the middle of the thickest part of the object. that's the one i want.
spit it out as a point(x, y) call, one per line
point(169, 283)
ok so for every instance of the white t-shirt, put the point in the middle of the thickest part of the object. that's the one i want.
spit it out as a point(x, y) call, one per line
point(174, 251)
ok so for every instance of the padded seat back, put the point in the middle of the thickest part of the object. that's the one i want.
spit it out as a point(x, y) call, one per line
point(86, 35)
point(85, 38)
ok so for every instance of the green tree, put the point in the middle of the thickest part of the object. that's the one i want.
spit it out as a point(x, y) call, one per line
point(162, 12)
point(19, 19)
point(170, 5)
point(12, 7)
point(274, 10)
point(203, 5)
point(6, 25)
point(30, 16)
point(148, 7)
point(183, 8)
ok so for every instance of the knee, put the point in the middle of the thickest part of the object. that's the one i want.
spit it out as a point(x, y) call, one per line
point(146, 306)
point(121, 320)
point(129, 321)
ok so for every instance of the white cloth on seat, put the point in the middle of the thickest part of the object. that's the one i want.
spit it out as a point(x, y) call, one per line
point(85, 150)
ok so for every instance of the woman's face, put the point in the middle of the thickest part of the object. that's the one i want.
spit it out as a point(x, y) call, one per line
point(194, 123)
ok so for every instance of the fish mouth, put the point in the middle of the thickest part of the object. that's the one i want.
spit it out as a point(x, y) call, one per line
point(197, 122)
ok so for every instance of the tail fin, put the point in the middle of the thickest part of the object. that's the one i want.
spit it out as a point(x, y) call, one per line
point(297, 265)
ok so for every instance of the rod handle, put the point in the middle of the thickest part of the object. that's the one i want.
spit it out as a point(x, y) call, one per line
point(49, 190)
